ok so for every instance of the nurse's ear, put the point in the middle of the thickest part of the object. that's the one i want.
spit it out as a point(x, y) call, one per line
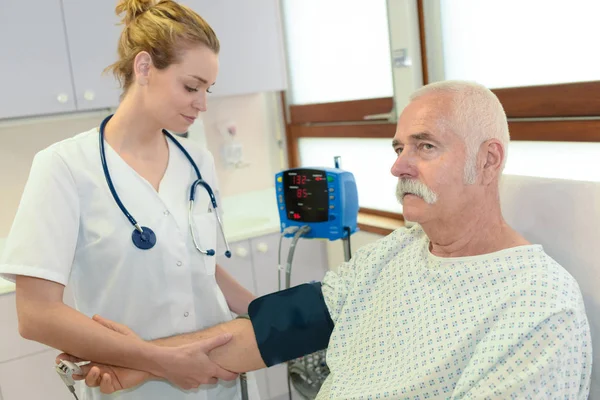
point(141, 67)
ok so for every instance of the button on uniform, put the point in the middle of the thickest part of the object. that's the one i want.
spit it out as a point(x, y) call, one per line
point(179, 263)
point(186, 314)
point(166, 212)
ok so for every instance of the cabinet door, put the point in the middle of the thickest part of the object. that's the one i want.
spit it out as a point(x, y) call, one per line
point(12, 345)
point(240, 264)
point(34, 73)
point(93, 32)
point(252, 57)
point(33, 378)
point(309, 262)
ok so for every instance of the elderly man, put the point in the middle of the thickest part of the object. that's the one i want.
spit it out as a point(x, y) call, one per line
point(459, 305)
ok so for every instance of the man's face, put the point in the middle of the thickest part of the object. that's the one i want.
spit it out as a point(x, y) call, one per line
point(430, 163)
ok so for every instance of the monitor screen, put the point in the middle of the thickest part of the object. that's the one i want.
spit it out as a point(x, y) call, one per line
point(306, 195)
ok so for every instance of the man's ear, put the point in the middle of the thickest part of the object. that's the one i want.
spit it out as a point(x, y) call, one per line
point(141, 67)
point(492, 154)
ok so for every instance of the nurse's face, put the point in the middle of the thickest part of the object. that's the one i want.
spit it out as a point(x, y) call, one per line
point(177, 94)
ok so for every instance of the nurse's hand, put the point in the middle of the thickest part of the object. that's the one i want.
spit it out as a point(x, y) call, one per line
point(189, 366)
point(186, 366)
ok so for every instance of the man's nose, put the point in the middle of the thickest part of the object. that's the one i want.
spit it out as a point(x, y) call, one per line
point(404, 166)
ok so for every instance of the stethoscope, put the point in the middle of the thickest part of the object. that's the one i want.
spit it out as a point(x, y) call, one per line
point(143, 237)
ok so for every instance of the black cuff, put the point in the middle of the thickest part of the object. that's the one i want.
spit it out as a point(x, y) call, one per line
point(291, 323)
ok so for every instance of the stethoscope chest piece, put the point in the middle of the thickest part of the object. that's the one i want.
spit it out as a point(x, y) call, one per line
point(143, 240)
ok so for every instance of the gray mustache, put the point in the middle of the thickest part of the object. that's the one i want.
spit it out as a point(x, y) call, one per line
point(412, 186)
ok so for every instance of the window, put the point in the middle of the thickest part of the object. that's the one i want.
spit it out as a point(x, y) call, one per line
point(338, 50)
point(513, 43)
point(543, 69)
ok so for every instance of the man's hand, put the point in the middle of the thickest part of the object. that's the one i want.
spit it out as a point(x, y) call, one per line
point(110, 379)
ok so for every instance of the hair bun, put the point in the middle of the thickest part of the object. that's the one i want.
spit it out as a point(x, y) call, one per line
point(132, 9)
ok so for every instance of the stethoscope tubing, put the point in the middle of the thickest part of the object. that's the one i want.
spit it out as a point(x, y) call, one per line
point(199, 181)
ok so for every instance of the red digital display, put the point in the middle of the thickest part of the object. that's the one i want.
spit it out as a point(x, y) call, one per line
point(299, 179)
point(301, 193)
point(306, 195)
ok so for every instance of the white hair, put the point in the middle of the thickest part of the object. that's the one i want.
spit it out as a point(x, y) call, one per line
point(475, 113)
point(418, 188)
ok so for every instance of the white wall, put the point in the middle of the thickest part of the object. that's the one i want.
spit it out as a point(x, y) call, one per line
point(257, 117)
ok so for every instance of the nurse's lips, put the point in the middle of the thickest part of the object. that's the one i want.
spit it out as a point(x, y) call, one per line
point(189, 119)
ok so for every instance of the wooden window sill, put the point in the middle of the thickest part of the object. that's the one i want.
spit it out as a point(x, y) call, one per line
point(381, 225)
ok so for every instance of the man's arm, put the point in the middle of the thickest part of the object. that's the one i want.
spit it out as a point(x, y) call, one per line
point(240, 354)
point(288, 324)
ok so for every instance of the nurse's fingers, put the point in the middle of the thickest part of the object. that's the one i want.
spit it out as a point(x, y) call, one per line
point(225, 375)
point(212, 381)
point(216, 341)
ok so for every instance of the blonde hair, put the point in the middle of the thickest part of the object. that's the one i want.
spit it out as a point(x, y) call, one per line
point(476, 114)
point(162, 29)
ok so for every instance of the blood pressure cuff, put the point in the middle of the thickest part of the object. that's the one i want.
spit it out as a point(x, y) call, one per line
point(291, 323)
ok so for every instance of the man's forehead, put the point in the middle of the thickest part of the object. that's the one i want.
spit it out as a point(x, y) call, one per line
point(422, 119)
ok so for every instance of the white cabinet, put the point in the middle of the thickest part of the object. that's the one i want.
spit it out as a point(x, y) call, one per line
point(12, 345)
point(53, 59)
point(93, 32)
point(240, 264)
point(254, 265)
point(32, 378)
point(252, 57)
point(53, 55)
point(35, 77)
point(26, 367)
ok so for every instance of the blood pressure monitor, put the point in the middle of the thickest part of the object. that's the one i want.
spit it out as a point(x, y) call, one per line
point(325, 199)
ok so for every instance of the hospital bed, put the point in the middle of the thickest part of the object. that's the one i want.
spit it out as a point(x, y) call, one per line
point(564, 217)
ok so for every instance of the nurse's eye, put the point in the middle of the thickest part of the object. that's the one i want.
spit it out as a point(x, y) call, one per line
point(190, 89)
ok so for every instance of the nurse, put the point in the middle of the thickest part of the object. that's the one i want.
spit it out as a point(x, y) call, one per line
point(73, 228)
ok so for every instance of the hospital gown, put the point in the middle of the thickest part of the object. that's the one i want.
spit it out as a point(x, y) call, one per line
point(411, 325)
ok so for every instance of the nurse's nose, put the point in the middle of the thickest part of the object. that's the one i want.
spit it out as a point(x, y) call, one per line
point(200, 102)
